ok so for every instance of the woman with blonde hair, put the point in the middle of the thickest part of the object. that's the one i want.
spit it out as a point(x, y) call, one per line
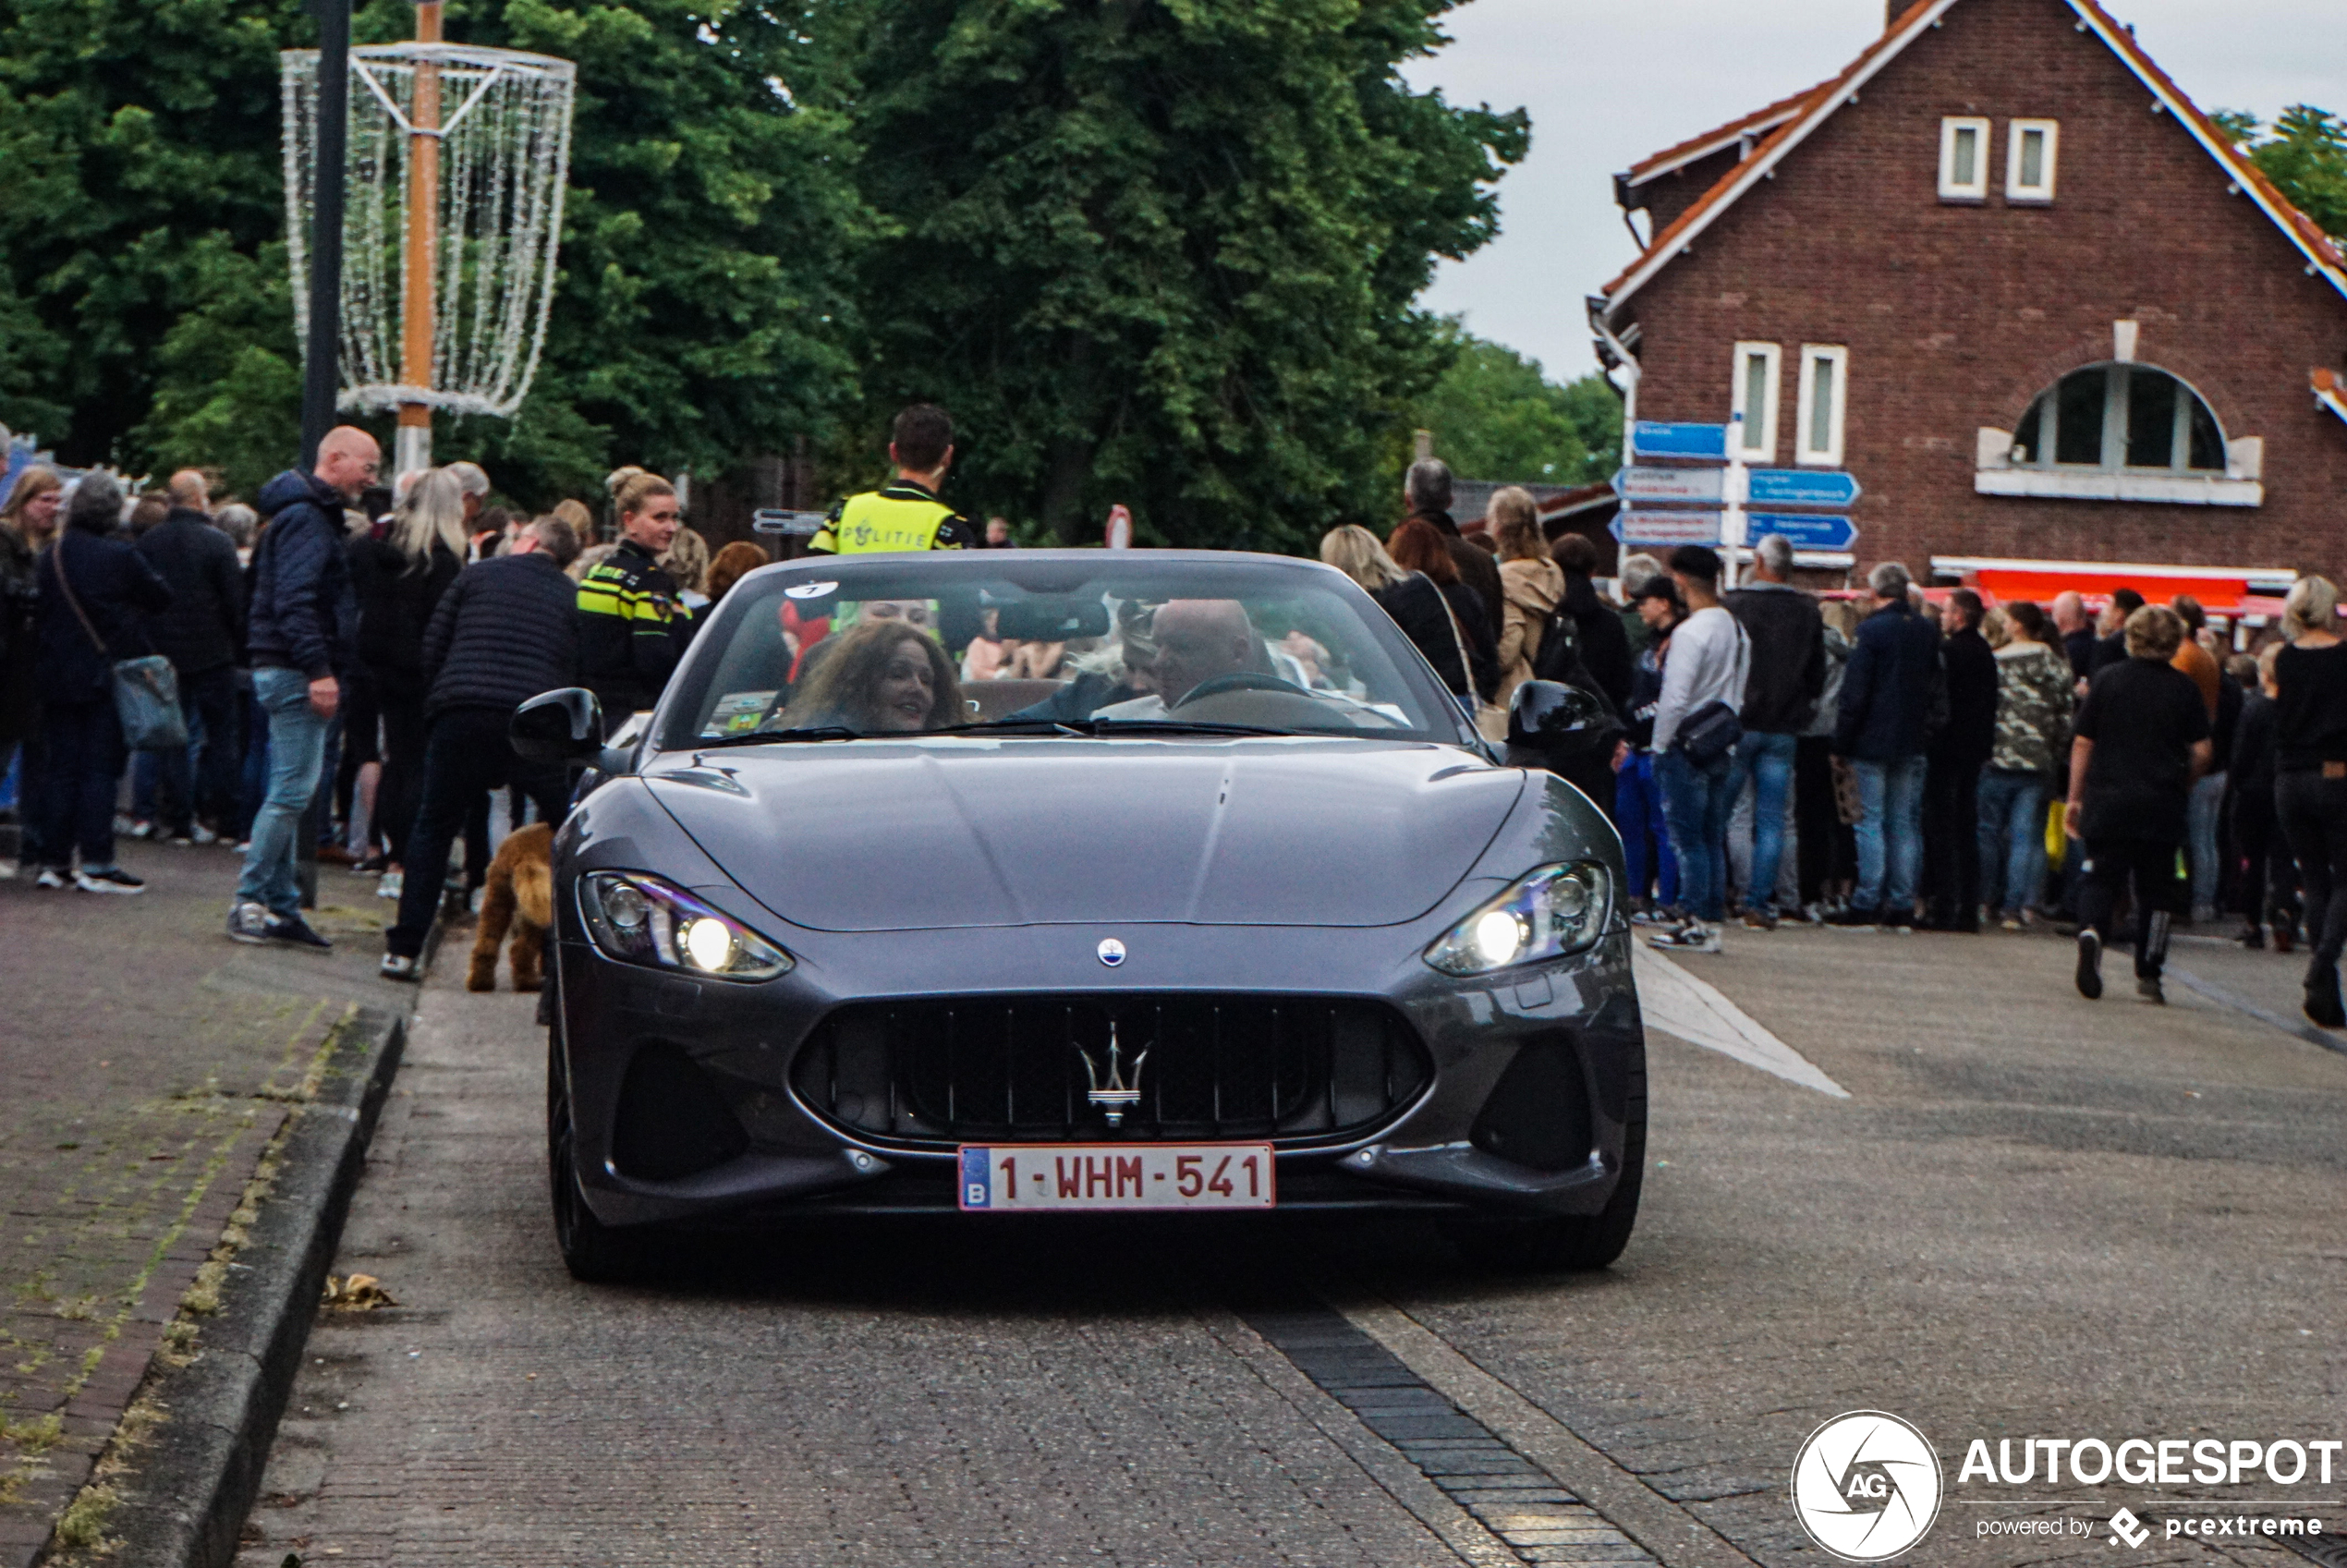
point(398, 580)
point(883, 677)
point(1531, 586)
point(633, 623)
point(2310, 778)
point(27, 521)
point(686, 561)
point(1411, 598)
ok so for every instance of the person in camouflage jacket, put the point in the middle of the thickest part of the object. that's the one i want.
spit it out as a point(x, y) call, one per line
point(2032, 749)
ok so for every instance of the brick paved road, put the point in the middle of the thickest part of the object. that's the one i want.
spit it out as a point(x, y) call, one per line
point(2034, 1216)
point(147, 1060)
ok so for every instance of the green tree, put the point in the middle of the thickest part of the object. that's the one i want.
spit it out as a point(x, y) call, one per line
point(137, 145)
point(1495, 416)
point(1163, 253)
point(2306, 157)
point(710, 241)
point(706, 273)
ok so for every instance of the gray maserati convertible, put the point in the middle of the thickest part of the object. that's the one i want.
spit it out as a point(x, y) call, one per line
point(1044, 882)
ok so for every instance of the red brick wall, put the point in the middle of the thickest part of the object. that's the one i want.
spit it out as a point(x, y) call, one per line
point(1956, 316)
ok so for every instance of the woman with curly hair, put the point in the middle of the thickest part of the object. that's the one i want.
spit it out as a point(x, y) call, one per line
point(884, 678)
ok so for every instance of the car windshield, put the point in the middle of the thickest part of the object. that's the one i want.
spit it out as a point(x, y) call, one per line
point(1052, 644)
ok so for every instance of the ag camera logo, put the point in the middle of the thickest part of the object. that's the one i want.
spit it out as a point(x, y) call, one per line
point(1867, 1485)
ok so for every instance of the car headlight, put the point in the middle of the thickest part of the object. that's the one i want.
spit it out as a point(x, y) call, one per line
point(1551, 912)
point(639, 919)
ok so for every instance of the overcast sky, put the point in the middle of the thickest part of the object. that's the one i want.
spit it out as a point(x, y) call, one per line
point(1609, 82)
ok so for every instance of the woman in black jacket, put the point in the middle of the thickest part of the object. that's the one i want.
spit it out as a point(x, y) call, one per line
point(2310, 779)
point(1416, 604)
point(1419, 546)
point(399, 580)
point(95, 593)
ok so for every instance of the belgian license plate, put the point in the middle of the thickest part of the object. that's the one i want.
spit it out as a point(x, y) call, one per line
point(1014, 1178)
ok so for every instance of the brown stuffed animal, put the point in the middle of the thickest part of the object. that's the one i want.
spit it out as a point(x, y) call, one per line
point(520, 893)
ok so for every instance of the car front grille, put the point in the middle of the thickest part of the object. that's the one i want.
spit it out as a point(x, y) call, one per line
point(1039, 1068)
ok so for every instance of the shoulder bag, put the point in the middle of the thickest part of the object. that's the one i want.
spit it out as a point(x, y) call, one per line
point(146, 691)
point(1711, 732)
point(1490, 719)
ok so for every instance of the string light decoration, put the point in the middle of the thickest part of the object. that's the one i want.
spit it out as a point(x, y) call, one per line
point(457, 166)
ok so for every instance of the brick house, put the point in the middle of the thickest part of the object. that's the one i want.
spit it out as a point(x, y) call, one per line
point(2005, 272)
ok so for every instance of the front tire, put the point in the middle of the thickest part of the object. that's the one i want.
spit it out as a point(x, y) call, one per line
point(1561, 1242)
point(593, 1252)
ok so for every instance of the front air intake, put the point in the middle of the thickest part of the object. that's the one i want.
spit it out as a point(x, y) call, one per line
point(1291, 1069)
point(1539, 1112)
point(671, 1121)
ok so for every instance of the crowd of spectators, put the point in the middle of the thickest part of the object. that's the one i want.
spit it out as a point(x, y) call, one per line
point(345, 659)
point(1891, 759)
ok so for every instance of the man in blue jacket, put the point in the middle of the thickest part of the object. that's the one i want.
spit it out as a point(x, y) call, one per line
point(1884, 727)
point(301, 622)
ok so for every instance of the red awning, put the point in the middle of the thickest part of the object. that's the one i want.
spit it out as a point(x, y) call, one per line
point(2221, 590)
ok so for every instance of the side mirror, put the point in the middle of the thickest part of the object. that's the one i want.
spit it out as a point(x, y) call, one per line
point(558, 726)
point(1546, 714)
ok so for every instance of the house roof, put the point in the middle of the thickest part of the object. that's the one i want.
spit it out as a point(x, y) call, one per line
point(1697, 147)
point(2323, 254)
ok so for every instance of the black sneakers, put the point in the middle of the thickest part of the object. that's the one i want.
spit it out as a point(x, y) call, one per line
point(252, 923)
point(2322, 998)
point(2089, 965)
point(111, 879)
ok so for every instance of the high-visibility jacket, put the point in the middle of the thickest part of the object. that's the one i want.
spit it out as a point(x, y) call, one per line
point(897, 516)
point(632, 625)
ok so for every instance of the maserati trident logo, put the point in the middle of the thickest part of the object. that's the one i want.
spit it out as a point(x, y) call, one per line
point(1111, 952)
point(1117, 1091)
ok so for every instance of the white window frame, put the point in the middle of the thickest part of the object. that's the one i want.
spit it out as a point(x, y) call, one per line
point(1813, 448)
point(1760, 425)
point(1976, 188)
point(2017, 134)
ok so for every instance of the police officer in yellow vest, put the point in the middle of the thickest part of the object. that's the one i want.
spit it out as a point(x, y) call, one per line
point(904, 514)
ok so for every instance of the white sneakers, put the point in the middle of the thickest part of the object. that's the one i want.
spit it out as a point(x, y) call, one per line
point(1693, 937)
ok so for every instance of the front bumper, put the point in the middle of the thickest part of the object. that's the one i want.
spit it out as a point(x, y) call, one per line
point(1569, 1029)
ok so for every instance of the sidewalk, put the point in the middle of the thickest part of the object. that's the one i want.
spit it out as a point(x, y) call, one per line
point(147, 1061)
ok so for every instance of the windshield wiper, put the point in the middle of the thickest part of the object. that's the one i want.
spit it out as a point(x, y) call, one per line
point(764, 737)
point(1176, 726)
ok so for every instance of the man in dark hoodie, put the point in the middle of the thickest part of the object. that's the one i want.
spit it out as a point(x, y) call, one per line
point(1780, 699)
point(1951, 779)
point(1425, 490)
point(302, 624)
point(201, 634)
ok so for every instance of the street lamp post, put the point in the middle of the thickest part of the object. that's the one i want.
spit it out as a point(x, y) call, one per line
point(320, 379)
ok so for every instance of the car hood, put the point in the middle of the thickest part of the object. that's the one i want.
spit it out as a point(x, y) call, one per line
point(876, 836)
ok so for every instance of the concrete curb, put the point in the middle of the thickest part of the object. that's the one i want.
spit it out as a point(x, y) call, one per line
point(186, 1498)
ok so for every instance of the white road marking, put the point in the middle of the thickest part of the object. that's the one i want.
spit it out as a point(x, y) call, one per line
point(1692, 1010)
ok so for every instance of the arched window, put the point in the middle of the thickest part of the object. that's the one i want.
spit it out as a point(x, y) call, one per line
point(2120, 419)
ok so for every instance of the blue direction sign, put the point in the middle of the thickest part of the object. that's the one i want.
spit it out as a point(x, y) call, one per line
point(1800, 487)
point(1671, 486)
point(1804, 530)
point(1649, 438)
point(1667, 527)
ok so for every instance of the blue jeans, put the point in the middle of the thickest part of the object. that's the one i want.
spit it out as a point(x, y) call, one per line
point(1766, 759)
point(296, 751)
point(1696, 802)
point(2200, 839)
point(1889, 833)
point(1637, 811)
point(2013, 837)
